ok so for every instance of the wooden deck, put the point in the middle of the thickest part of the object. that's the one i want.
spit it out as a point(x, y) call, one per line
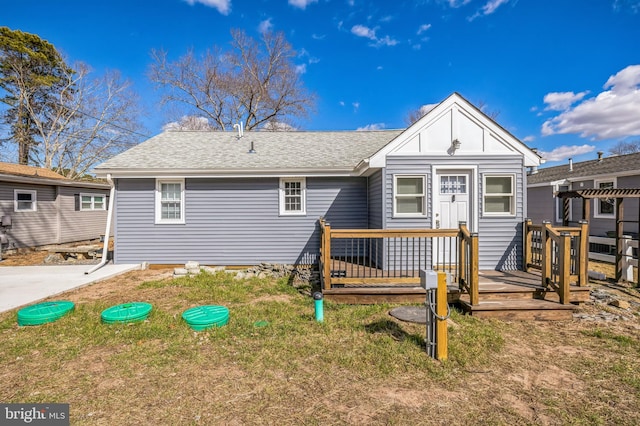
point(513, 295)
point(363, 266)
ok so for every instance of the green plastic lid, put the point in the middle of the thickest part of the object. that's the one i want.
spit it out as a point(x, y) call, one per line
point(126, 312)
point(44, 312)
point(206, 316)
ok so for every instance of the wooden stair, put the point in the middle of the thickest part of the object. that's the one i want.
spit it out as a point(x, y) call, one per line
point(519, 296)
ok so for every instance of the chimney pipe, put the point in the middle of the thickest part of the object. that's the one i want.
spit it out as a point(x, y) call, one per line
point(600, 155)
point(570, 164)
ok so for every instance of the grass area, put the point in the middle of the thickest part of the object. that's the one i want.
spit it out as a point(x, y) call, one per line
point(360, 366)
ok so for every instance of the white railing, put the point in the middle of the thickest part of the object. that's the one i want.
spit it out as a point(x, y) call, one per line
point(628, 261)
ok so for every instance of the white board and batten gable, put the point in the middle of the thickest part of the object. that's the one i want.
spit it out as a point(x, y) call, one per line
point(455, 119)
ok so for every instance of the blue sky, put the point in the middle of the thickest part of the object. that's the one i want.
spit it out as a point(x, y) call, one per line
point(564, 75)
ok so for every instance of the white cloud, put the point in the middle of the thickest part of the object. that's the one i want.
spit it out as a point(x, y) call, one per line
point(341, 103)
point(457, 3)
point(362, 31)
point(370, 127)
point(423, 28)
point(528, 139)
point(318, 36)
point(302, 4)
point(301, 69)
point(265, 26)
point(426, 108)
point(611, 114)
point(488, 8)
point(223, 6)
point(564, 152)
point(370, 33)
point(356, 106)
point(621, 5)
point(559, 101)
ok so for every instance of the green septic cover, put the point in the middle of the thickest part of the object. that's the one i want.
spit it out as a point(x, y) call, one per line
point(45, 312)
point(206, 316)
point(126, 312)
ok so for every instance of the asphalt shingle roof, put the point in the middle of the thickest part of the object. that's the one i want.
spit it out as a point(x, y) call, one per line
point(21, 170)
point(605, 166)
point(219, 151)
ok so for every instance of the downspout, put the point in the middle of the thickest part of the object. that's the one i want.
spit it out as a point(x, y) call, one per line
point(107, 232)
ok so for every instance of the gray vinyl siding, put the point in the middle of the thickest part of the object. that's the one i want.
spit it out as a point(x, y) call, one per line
point(375, 201)
point(541, 204)
point(500, 238)
point(77, 225)
point(397, 249)
point(55, 220)
point(234, 221)
point(376, 216)
point(32, 228)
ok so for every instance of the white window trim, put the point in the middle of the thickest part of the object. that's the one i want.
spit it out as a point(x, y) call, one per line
point(34, 198)
point(159, 219)
point(596, 204)
point(93, 201)
point(512, 212)
point(303, 196)
point(559, 206)
point(396, 196)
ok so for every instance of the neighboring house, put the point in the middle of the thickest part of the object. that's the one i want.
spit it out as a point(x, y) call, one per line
point(222, 199)
point(622, 171)
point(47, 208)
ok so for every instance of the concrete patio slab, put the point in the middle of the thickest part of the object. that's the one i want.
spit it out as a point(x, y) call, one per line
point(23, 285)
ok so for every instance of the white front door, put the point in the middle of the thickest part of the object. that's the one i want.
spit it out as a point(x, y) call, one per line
point(452, 204)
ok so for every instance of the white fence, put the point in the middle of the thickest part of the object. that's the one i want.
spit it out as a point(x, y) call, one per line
point(628, 261)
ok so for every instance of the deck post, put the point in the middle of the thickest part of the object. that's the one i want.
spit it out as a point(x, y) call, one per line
point(565, 267)
point(462, 255)
point(583, 259)
point(474, 282)
point(528, 244)
point(326, 255)
point(619, 232)
point(442, 307)
point(546, 253)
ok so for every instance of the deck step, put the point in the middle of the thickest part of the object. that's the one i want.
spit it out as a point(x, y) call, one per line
point(519, 309)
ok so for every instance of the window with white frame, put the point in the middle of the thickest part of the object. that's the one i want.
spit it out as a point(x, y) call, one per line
point(560, 203)
point(293, 193)
point(170, 201)
point(604, 207)
point(92, 202)
point(499, 198)
point(409, 195)
point(24, 200)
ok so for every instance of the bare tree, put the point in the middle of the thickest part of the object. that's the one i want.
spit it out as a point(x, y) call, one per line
point(189, 122)
point(91, 120)
point(623, 147)
point(253, 82)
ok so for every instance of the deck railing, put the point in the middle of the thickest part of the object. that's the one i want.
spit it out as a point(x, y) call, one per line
point(560, 253)
point(394, 257)
point(468, 276)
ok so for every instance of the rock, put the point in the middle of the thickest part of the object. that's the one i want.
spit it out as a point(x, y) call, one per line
point(53, 258)
point(597, 275)
point(262, 275)
point(239, 276)
point(179, 272)
point(622, 304)
point(192, 265)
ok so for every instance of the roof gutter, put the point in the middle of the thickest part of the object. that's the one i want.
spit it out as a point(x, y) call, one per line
point(48, 181)
point(107, 232)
